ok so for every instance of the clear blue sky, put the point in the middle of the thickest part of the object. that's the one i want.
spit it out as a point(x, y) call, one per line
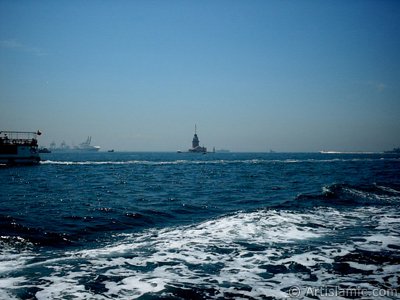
point(253, 75)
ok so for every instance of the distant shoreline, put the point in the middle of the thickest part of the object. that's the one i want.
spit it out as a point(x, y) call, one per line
point(218, 153)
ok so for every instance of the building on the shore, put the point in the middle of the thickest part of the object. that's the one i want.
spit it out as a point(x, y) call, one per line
point(196, 148)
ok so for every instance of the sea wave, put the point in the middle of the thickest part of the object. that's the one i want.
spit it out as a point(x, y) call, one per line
point(244, 255)
point(212, 162)
point(346, 194)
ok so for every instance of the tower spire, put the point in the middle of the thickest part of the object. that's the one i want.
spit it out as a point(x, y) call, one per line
point(196, 143)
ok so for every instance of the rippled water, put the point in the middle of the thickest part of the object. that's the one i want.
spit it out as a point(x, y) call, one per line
point(188, 226)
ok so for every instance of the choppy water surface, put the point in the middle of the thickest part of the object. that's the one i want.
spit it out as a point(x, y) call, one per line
point(187, 226)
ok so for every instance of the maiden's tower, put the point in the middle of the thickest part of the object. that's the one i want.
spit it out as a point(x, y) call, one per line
point(196, 148)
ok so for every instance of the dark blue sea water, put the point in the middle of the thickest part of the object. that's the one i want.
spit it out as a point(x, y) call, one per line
point(189, 226)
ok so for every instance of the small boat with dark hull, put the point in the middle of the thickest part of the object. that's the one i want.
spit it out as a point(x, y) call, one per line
point(394, 151)
point(44, 150)
point(19, 148)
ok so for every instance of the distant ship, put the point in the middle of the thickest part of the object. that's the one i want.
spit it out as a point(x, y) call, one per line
point(395, 150)
point(222, 151)
point(196, 148)
point(19, 147)
point(63, 147)
point(83, 147)
point(44, 150)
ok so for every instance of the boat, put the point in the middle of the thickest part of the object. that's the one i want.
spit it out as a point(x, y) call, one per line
point(394, 151)
point(19, 148)
point(44, 150)
point(85, 146)
point(222, 151)
point(112, 150)
point(196, 148)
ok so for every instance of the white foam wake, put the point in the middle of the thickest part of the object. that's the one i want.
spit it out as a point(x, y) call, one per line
point(210, 162)
point(255, 255)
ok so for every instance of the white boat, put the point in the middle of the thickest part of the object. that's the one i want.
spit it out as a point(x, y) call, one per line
point(19, 148)
point(85, 146)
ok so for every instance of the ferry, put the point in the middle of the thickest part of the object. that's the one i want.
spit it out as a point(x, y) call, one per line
point(19, 148)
